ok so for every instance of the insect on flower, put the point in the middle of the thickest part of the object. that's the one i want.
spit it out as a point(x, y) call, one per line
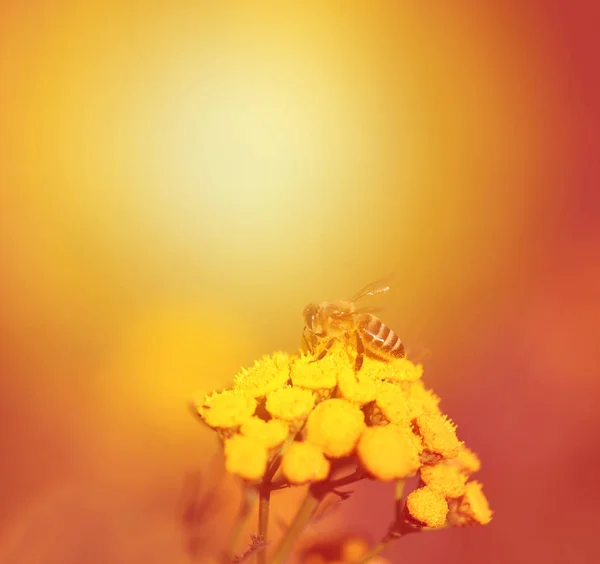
point(345, 321)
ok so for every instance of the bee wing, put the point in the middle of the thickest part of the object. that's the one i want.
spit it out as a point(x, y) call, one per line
point(367, 309)
point(378, 287)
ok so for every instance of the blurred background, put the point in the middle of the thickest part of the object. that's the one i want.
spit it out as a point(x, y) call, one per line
point(177, 180)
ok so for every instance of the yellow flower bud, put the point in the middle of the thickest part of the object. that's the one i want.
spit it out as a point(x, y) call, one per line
point(472, 508)
point(267, 374)
point(246, 457)
point(335, 425)
point(439, 435)
point(445, 478)
point(321, 375)
point(227, 409)
point(289, 403)
point(391, 400)
point(304, 462)
point(427, 507)
point(271, 433)
point(389, 453)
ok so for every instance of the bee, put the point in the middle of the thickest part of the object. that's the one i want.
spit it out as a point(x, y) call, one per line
point(343, 320)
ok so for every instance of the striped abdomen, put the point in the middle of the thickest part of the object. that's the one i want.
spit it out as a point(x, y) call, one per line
point(379, 338)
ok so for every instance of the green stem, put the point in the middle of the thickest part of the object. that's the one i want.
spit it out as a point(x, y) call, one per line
point(265, 500)
point(399, 498)
point(312, 500)
point(263, 521)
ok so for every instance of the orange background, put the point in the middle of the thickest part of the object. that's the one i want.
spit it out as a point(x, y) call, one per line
point(179, 178)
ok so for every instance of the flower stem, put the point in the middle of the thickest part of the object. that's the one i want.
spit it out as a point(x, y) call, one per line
point(312, 500)
point(265, 500)
point(263, 520)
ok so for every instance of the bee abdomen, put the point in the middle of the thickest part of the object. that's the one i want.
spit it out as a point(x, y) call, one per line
point(381, 338)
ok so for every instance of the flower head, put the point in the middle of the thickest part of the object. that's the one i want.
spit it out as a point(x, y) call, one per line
point(246, 457)
point(335, 425)
point(357, 388)
point(290, 403)
point(319, 376)
point(391, 400)
point(439, 435)
point(467, 461)
point(445, 478)
point(269, 373)
point(271, 433)
point(419, 400)
point(403, 370)
point(388, 452)
point(427, 507)
point(304, 462)
point(226, 409)
point(472, 508)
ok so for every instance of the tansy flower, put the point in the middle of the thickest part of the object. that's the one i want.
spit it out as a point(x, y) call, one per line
point(472, 508)
point(467, 461)
point(403, 370)
point(335, 425)
point(419, 400)
point(271, 433)
point(290, 404)
point(445, 478)
point(320, 376)
point(357, 388)
point(304, 462)
point(388, 452)
point(439, 435)
point(391, 400)
point(227, 409)
point(246, 457)
point(375, 369)
point(267, 374)
point(427, 507)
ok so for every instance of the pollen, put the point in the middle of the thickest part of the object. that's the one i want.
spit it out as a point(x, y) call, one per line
point(269, 373)
point(427, 507)
point(391, 400)
point(335, 425)
point(290, 404)
point(403, 370)
point(472, 508)
point(359, 389)
point(246, 457)
point(304, 462)
point(374, 369)
point(445, 478)
point(227, 409)
point(271, 433)
point(419, 400)
point(388, 452)
point(439, 435)
point(318, 375)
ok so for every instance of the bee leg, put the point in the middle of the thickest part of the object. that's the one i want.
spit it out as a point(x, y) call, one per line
point(360, 353)
point(306, 342)
point(325, 349)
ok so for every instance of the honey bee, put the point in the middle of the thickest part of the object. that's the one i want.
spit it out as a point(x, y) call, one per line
point(343, 320)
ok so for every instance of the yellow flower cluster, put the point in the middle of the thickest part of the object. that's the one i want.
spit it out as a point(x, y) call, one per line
point(313, 412)
point(446, 497)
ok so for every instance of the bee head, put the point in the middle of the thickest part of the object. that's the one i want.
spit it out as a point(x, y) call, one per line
point(312, 319)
